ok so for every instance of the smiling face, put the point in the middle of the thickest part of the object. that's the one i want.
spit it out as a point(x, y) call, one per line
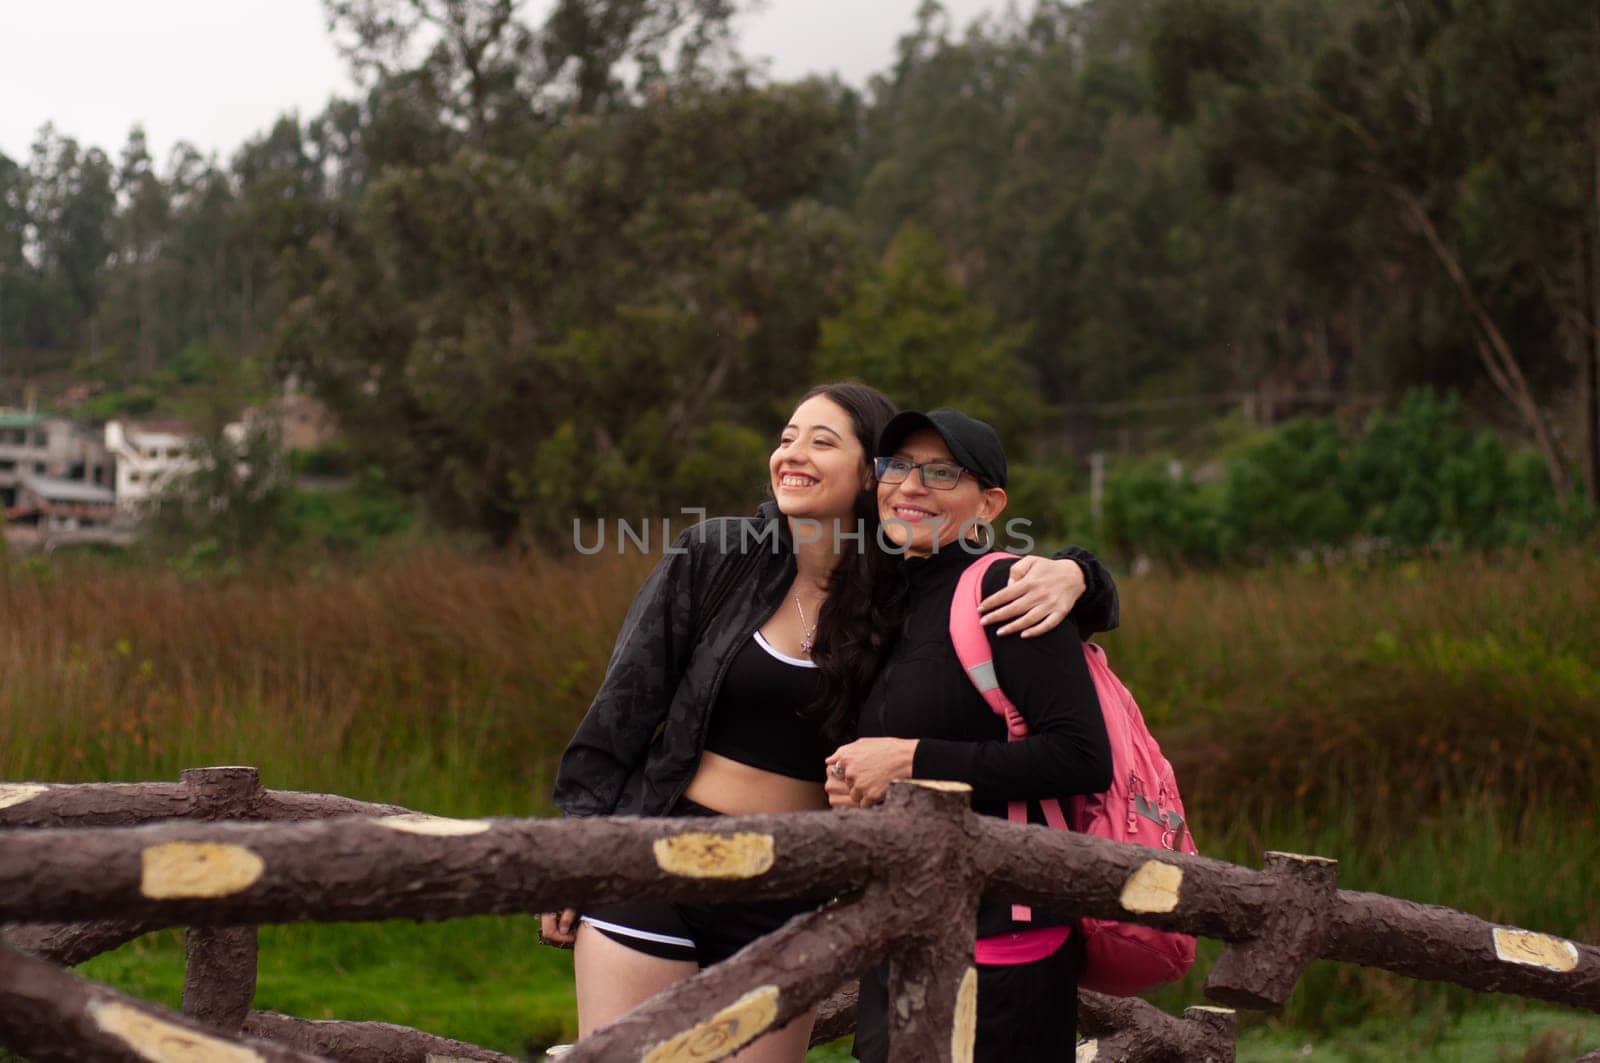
point(819, 466)
point(914, 518)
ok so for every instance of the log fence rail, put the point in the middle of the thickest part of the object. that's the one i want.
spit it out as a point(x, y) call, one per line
point(84, 868)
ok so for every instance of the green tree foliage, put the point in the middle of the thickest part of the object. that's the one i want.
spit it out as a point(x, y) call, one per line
point(1421, 475)
point(568, 263)
point(69, 214)
point(1288, 491)
point(234, 502)
point(1449, 124)
point(1156, 511)
point(913, 332)
point(538, 339)
point(1414, 478)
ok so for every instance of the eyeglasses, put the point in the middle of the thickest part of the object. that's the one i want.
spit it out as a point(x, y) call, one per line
point(936, 475)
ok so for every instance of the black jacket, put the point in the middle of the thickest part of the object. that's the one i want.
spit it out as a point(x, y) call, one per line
point(639, 744)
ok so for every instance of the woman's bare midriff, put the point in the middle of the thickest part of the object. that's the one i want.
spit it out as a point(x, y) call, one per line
point(736, 789)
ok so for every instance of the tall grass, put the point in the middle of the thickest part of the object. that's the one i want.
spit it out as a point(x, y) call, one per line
point(1396, 687)
point(441, 679)
point(1431, 725)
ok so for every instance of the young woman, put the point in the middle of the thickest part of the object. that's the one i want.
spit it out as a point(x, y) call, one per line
point(737, 669)
point(939, 475)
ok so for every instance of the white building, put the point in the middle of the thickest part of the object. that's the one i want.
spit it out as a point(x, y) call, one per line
point(151, 454)
point(148, 454)
point(39, 445)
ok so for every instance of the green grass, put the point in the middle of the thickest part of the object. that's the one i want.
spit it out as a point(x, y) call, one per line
point(1496, 1033)
point(486, 980)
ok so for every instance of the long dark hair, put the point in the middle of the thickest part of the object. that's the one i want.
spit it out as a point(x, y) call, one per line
point(861, 615)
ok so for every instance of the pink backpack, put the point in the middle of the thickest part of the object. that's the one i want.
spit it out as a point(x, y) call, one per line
point(1142, 807)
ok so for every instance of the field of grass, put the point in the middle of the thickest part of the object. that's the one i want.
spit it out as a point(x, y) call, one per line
point(1431, 725)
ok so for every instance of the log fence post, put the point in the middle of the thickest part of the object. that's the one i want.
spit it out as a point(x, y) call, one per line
point(1261, 972)
point(219, 973)
point(933, 981)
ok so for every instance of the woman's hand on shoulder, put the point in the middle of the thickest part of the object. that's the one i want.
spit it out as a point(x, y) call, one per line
point(1037, 599)
point(860, 772)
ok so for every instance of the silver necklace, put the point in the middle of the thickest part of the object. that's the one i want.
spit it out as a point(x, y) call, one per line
point(809, 629)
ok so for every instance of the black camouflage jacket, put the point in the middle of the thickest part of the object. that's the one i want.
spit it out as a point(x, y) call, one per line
point(639, 744)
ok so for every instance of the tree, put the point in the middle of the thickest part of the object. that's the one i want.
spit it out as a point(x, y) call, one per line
point(14, 268)
point(235, 498)
point(1390, 101)
point(587, 42)
point(141, 225)
point(488, 73)
point(911, 331)
point(465, 59)
point(525, 341)
point(71, 207)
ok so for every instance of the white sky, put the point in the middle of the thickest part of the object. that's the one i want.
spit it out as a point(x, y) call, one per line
point(215, 72)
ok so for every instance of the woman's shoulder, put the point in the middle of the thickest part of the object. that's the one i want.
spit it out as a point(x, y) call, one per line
point(998, 573)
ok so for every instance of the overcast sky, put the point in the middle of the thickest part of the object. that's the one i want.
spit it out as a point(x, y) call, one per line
point(214, 72)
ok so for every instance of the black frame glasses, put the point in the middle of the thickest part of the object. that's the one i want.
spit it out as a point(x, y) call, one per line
point(895, 470)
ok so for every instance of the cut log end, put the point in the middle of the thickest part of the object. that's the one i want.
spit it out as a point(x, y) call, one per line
point(1153, 887)
point(702, 855)
point(19, 793)
point(175, 870)
point(1301, 857)
point(164, 1042)
point(964, 1030)
point(942, 785)
point(1528, 949)
point(728, 1030)
point(433, 826)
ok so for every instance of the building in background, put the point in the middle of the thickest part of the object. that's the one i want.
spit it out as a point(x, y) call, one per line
point(147, 454)
point(305, 422)
point(53, 512)
point(42, 445)
point(63, 480)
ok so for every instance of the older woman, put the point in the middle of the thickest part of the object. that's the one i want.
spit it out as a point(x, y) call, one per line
point(941, 478)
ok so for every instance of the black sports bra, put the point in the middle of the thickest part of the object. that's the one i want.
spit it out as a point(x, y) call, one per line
point(757, 720)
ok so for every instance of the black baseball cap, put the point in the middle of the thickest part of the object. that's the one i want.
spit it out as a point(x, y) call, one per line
point(973, 443)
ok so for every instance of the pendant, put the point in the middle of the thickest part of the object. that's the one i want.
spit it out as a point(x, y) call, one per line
point(805, 645)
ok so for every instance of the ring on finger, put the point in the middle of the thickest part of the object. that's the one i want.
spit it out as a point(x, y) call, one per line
point(837, 769)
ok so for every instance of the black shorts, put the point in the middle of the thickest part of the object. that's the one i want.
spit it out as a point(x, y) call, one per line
point(1027, 1012)
point(695, 933)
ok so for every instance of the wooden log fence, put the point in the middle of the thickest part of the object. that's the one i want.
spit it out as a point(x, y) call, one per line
point(891, 878)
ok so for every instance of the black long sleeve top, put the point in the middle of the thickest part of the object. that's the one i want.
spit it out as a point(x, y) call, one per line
point(923, 693)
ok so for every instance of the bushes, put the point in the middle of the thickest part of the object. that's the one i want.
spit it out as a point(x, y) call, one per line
point(1159, 512)
point(1411, 479)
point(1421, 477)
point(1284, 492)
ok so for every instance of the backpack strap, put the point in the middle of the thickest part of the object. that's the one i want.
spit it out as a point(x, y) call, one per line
point(971, 642)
